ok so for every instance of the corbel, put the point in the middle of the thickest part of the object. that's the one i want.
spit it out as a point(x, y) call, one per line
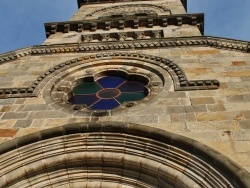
point(53, 29)
point(179, 21)
point(66, 28)
point(150, 23)
point(164, 22)
point(194, 20)
point(107, 26)
point(93, 26)
point(79, 28)
point(136, 24)
point(121, 25)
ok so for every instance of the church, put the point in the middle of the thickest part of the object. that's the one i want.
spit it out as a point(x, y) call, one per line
point(126, 94)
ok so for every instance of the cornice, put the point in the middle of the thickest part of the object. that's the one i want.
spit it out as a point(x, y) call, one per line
point(122, 23)
point(13, 55)
point(210, 41)
point(87, 2)
point(215, 42)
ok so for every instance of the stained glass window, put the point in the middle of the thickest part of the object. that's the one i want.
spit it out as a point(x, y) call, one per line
point(108, 92)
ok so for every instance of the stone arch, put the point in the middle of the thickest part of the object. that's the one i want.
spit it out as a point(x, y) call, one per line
point(178, 76)
point(111, 154)
point(130, 9)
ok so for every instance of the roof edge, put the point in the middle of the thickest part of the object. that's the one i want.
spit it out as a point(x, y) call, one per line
point(184, 2)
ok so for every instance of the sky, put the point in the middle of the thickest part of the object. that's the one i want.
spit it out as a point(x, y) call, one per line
point(22, 21)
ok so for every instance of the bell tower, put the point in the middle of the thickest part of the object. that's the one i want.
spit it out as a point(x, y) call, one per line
point(115, 21)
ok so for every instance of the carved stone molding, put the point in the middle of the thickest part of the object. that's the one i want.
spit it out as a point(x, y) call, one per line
point(215, 42)
point(133, 22)
point(130, 7)
point(121, 36)
point(178, 76)
point(13, 55)
point(111, 154)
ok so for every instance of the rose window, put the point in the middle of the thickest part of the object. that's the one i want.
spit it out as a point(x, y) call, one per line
point(108, 92)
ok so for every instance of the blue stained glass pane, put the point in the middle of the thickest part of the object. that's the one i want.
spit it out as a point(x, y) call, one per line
point(132, 86)
point(110, 81)
point(83, 99)
point(105, 104)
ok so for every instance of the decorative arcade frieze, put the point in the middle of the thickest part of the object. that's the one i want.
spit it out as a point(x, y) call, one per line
point(121, 24)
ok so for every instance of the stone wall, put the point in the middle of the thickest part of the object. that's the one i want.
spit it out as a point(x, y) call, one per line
point(219, 118)
point(96, 11)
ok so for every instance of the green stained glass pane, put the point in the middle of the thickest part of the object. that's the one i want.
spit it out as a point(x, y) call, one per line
point(134, 96)
point(87, 88)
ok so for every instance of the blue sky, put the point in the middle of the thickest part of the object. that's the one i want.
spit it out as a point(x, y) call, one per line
point(22, 21)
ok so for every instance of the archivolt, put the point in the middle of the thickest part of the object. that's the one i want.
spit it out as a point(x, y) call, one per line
point(114, 155)
point(129, 7)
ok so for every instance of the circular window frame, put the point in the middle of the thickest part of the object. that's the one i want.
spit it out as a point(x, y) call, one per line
point(118, 73)
point(163, 74)
point(154, 87)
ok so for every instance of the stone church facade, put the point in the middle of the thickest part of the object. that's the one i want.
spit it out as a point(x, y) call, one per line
point(176, 112)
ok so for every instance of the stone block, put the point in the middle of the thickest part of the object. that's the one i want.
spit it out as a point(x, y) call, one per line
point(23, 123)
point(245, 124)
point(242, 146)
point(9, 101)
point(8, 132)
point(236, 98)
point(202, 100)
point(203, 137)
point(176, 109)
point(8, 108)
point(36, 107)
point(7, 123)
point(141, 119)
point(246, 114)
point(172, 127)
point(176, 94)
point(203, 52)
point(216, 107)
point(212, 125)
point(46, 114)
point(182, 117)
point(196, 108)
point(237, 106)
point(238, 63)
point(215, 116)
point(14, 115)
point(242, 135)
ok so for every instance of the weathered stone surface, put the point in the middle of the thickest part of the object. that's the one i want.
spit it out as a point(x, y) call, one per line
point(36, 107)
point(46, 114)
point(245, 124)
point(202, 100)
point(13, 115)
point(23, 123)
point(8, 132)
point(220, 118)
